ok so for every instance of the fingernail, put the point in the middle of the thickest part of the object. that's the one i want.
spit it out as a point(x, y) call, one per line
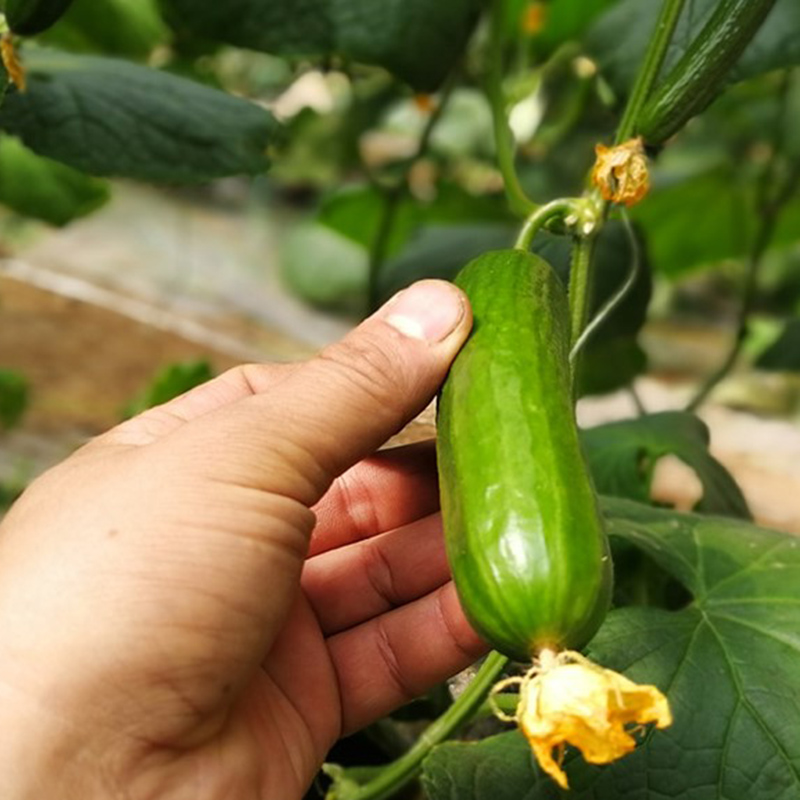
point(428, 310)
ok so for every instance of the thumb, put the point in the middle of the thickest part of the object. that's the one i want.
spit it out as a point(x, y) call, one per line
point(344, 404)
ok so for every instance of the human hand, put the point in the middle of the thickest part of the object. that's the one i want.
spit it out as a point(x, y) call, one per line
point(155, 641)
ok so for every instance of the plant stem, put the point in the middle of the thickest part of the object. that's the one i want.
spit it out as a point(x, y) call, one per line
point(518, 200)
point(400, 772)
point(580, 293)
point(562, 207)
point(580, 289)
point(650, 68)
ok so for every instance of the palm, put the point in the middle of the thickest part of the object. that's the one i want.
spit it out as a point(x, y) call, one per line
point(377, 622)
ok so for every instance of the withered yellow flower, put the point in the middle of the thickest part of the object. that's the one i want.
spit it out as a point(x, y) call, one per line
point(621, 172)
point(534, 17)
point(10, 57)
point(566, 699)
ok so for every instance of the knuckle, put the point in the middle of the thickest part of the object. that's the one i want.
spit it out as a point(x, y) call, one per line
point(392, 664)
point(380, 575)
point(359, 506)
point(371, 367)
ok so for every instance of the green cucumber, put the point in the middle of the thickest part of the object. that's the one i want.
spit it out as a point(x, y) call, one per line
point(696, 79)
point(525, 539)
point(29, 17)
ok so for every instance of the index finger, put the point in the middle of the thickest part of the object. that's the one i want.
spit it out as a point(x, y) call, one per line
point(392, 488)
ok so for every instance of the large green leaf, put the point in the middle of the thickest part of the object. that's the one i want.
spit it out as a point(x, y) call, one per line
point(43, 189)
point(670, 214)
point(131, 28)
point(729, 663)
point(619, 38)
point(418, 40)
point(111, 118)
point(623, 456)
point(724, 198)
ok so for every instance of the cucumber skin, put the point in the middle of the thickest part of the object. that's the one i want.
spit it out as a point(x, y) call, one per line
point(524, 535)
point(697, 78)
point(29, 17)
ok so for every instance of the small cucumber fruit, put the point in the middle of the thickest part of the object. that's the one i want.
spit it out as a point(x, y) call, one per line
point(29, 17)
point(524, 535)
point(697, 78)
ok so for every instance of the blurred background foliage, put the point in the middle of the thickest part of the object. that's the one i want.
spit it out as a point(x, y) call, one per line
point(371, 124)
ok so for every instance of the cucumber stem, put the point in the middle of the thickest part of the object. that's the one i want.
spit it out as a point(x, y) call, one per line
point(518, 200)
point(650, 68)
point(400, 772)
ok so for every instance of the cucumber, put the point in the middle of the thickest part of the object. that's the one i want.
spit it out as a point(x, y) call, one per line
point(525, 539)
point(697, 78)
point(29, 17)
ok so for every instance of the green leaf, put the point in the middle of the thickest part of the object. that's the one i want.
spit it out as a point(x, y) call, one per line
point(440, 251)
point(131, 28)
point(357, 213)
point(623, 456)
point(783, 355)
point(326, 262)
point(729, 663)
point(610, 364)
point(568, 20)
point(677, 244)
point(619, 38)
point(14, 393)
point(112, 118)
point(498, 768)
point(723, 195)
point(325, 268)
point(170, 382)
point(418, 40)
point(42, 189)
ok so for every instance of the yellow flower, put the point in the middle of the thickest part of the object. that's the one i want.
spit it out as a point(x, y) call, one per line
point(566, 699)
point(621, 172)
point(534, 18)
point(10, 58)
